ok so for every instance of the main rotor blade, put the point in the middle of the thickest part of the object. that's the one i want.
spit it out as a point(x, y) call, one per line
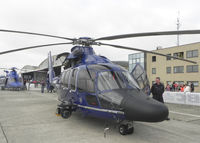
point(149, 34)
point(38, 34)
point(145, 51)
point(33, 47)
point(3, 68)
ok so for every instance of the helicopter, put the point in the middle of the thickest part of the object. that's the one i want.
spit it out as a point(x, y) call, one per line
point(11, 80)
point(97, 87)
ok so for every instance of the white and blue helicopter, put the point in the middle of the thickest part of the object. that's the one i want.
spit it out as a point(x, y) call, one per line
point(12, 80)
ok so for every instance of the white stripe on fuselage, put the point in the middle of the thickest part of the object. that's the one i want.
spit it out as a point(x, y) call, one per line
point(102, 110)
point(98, 109)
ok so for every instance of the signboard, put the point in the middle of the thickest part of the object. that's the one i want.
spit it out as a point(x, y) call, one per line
point(187, 98)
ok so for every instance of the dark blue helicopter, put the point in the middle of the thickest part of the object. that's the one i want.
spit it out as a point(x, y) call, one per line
point(11, 80)
point(95, 86)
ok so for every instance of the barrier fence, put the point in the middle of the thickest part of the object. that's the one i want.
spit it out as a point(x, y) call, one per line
point(187, 98)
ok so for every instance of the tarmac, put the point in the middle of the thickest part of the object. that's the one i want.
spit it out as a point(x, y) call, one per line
point(29, 117)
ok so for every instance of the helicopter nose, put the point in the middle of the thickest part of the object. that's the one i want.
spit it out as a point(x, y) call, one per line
point(143, 108)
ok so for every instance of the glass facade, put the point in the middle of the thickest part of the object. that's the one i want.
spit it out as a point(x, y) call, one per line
point(136, 58)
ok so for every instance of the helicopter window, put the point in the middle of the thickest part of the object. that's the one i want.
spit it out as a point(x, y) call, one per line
point(130, 80)
point(73, 79)
point(91, 100)
point(65, 78)
point(110, 100)
point(109, 80)
point(86, 81)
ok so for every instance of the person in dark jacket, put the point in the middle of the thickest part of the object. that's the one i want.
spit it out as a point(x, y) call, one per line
point(157, 90)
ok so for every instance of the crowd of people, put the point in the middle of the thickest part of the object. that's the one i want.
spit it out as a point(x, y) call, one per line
point(180, 87)
point(158, 89)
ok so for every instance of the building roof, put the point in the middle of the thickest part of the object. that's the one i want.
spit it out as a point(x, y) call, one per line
point(43, 65)
point(176, 46)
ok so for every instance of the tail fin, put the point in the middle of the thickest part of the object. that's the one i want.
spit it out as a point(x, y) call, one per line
point(51, 72)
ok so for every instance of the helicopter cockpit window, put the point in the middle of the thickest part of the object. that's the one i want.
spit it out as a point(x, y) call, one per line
point(86, 80)
point(109, 80)
point(73, 79)
point(130, 80)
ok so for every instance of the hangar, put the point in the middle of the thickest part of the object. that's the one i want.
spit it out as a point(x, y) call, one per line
point(39, 73)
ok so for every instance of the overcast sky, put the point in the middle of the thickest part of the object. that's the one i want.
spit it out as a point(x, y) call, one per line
point(92, 18)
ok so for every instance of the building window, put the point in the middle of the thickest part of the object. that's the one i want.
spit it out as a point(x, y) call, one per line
point(179, 69)
point(168, 69)
point(192, 68)
point(192, 54)
point(153, 70)
point(179, 82)
point(179, 55)
point(196, 83)
point(168, 58)
point(153, 58)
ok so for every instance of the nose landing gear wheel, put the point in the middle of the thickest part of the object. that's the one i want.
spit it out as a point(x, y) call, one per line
point(130, 130)
point(124, 130)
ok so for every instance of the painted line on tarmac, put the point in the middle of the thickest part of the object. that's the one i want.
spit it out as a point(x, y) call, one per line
point(185, 114)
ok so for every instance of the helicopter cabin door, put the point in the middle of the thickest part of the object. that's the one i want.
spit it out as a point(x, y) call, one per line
point(139, 74)
point(86, 87)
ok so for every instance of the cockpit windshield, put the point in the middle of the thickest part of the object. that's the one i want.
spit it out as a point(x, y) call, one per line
point(130, 80)
point(109, 80)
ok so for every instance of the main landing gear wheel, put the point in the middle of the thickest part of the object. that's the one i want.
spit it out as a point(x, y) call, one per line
point(65, 114)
